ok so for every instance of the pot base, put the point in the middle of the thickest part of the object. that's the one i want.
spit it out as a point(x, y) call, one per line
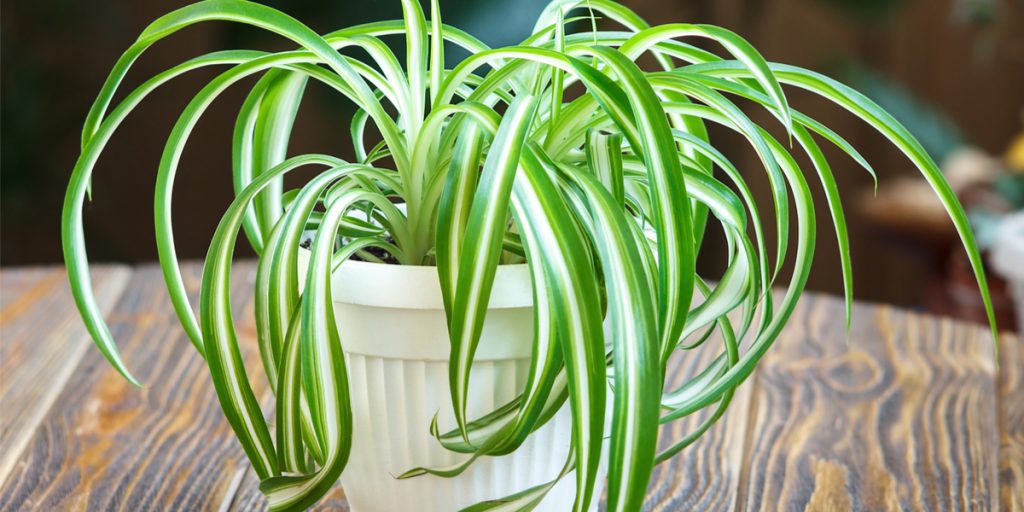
point(393, 402)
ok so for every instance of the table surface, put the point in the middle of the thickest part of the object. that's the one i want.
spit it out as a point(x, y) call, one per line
point(911, 413)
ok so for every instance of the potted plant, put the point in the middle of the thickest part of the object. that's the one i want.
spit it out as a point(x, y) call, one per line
point(494, 285)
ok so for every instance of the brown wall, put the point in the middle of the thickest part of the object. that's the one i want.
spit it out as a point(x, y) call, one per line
point(54, 57)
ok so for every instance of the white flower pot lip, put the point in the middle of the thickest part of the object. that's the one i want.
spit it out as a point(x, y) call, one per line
point(417, 287)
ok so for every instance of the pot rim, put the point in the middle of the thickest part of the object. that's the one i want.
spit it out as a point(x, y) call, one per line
point(418, 287)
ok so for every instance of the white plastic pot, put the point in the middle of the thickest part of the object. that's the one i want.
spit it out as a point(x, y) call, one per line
point(1008, 259)
point(393, 329)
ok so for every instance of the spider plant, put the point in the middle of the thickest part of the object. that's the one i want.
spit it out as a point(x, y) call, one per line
point(561, 152)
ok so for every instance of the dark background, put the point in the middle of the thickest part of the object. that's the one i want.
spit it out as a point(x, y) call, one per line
point(963, 58)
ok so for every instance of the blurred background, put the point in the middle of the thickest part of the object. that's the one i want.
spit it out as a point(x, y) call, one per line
point(951, 70)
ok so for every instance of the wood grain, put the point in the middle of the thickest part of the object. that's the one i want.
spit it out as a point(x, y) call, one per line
point(108, 446)
point(1011, 424)
point(911, 415)
point(903, 418)
point(42, 340)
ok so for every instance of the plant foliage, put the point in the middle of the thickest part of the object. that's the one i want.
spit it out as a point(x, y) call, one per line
point(561, 152)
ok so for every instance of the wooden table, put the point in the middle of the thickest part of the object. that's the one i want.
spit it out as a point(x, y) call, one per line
point(911, 414)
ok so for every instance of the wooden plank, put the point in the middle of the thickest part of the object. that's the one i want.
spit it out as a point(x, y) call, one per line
point(1011, 424)
point(108, 446)
point(901, 418)
point(43, 340)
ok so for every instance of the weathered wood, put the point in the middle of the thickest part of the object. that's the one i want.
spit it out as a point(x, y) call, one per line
point(901, 418)
point(1011, 424)
point(910, 415)
point(43, 340)
point(108, 446)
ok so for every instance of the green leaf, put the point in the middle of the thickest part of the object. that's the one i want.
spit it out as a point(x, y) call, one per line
point(551, 236)
point(637, 376)
point(72, 232)
point(859, 105)
point(673, 223)
point(474, 273)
